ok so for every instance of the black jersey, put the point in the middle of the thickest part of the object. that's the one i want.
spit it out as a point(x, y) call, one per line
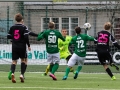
point(19, 35)
point(32, 34)
point(103, 39)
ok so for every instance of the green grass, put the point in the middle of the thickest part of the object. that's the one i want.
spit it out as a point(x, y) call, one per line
point(41, 68)
point(85, 81)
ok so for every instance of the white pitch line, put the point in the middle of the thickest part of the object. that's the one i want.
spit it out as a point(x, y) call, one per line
point(60, 88)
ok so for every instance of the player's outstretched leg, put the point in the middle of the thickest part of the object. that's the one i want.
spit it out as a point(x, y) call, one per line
point(53, 76)
point(9, 75)
point(66, 73)
point(110, 74)
point(77, 71)
point(76, 75)
point(113, 65)
point(113, 78)
point(46, 70)
point(54, 69)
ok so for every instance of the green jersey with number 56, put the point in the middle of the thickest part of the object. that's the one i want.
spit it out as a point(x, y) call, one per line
point(80, 41)
point(51, 39)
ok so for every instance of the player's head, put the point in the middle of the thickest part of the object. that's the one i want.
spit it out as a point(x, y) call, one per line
point(107, 25)
point(64, 32)
point(78, 30)
point(18, 17)
point(51, 25)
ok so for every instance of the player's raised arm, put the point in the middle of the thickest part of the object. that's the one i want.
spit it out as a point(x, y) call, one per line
point(114, 42)
point(40, 36)
point(30, 32)
point(33, 34)
point(90, 38)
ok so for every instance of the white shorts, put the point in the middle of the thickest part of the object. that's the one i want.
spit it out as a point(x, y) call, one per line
point(53, 58)
point(75, 58)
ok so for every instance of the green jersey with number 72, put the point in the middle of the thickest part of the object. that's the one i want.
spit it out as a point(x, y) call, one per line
point(80, 41)
point(51, 40)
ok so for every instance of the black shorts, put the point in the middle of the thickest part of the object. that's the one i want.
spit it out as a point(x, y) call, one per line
point(104, 57)
point(18, 53)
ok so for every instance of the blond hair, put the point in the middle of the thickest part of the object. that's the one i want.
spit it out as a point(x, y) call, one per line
point(51, 25)
point(107, 25)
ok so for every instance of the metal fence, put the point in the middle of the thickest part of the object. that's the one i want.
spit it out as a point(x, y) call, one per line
point(65, 15)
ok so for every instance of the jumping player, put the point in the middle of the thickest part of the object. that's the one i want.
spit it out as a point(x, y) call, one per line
point(79, 54)
point(103, 50)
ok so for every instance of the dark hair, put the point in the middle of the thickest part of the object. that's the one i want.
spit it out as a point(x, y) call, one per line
point(18, 17)
point(107, 25)
point(51, 25)
point(63, 29)
point(78, 30)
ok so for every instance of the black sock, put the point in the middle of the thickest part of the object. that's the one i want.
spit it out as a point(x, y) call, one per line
point(109, 72)
point(25, 68)
point(13, 67)
point(22, 68)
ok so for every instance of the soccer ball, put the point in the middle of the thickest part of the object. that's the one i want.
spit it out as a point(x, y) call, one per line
point(87, 26)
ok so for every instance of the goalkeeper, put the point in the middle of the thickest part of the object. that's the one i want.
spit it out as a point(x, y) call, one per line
point(63, 49)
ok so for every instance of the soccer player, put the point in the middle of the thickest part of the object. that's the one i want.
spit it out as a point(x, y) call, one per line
point(79, 54)
point(19, 35)
point(63, 49)
point(26, 60)
point(51, 38)
point(103, 50)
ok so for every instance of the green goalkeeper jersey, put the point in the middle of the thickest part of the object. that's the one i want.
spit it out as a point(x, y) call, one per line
point(51, 40)
point(80, 42)
point(63, 47)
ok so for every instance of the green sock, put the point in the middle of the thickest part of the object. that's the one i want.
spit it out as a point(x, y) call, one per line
point(79, 68)
point(55, 67)
point(67, 71)
point(51, 66)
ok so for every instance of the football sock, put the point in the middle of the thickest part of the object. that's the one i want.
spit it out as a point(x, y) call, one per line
point(51, 66)
point(22, 68)
point(47, 69)
point(79, 68)
point(109, 72)
point(55, 67)
point(25, 67)
point(13, 67)
point(67, 71)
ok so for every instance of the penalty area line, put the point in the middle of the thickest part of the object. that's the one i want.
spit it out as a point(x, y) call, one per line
point(52, 88)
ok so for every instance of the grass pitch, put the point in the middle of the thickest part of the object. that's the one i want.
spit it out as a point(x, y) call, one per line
point(85, 81)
